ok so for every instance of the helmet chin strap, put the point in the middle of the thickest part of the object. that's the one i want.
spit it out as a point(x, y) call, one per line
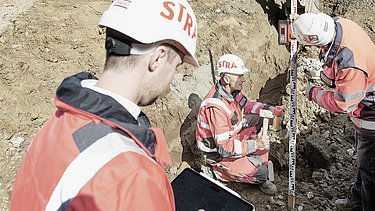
point(325, 55)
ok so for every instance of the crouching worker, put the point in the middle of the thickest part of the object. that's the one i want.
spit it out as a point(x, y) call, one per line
point(227, 127)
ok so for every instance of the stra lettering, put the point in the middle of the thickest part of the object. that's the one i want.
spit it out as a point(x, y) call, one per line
point(179, 13)
point(225, 64)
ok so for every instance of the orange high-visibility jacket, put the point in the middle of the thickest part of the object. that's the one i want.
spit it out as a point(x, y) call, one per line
point(93, 155)
point(351, 62)
point(219, 121)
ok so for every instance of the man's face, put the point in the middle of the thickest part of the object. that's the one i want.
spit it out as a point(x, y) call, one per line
point(235, 81)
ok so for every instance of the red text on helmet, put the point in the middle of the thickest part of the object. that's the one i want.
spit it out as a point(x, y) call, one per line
point(180, 10)
point(225, 64)
point(122, 3)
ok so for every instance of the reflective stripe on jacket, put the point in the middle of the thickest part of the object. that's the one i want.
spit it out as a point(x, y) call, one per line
point(352, 62)
point(219, 122)
point(93, 155)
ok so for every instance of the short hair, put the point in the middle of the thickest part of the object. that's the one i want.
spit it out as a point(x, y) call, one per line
point(117, 62)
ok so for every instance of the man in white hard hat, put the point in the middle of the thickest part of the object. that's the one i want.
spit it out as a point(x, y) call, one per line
point(349, 68)
point(228, 141)
point(98, 151)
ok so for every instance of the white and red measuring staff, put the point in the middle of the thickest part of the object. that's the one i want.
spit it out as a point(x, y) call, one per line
point(293, 115)
point(286, 37)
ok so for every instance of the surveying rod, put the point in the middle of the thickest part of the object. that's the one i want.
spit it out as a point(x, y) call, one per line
point(293, 116)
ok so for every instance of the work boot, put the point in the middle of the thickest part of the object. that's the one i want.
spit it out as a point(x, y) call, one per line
point(268, 187)
point(349, 203)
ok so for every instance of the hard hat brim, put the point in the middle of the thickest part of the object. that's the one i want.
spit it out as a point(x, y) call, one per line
point(233, 71)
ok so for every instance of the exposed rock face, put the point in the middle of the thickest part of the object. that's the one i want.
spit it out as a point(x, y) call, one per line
point(317, 152)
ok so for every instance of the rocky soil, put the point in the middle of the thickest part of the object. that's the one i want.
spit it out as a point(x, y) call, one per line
point(42, 42)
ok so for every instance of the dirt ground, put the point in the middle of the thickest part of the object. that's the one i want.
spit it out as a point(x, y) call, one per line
point(42, 42)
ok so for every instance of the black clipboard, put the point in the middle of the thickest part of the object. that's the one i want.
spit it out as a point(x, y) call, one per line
point(193, 192)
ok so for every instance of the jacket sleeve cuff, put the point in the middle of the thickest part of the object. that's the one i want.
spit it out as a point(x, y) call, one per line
point(316, 94)
point(309, 92)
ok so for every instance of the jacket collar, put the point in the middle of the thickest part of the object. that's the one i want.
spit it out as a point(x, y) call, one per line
point(336, 43)
point(72, 93)
point(132, 108)
point(223, 93)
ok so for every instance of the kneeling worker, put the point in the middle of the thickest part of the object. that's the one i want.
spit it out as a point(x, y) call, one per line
point(227, 127)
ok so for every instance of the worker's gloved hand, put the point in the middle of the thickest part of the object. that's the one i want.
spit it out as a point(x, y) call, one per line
point(309, 92)
point(262, 142)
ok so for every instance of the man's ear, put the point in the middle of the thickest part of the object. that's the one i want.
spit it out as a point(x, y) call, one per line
point(158, 57)
point(226, 79)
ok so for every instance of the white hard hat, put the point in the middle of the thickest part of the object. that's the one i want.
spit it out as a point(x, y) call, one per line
point(150, 21)
point(314, 29)
point(229, 63)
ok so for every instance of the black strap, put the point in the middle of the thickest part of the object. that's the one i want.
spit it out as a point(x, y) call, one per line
point(243, 102)
point(117, 47)
point(311, 90)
